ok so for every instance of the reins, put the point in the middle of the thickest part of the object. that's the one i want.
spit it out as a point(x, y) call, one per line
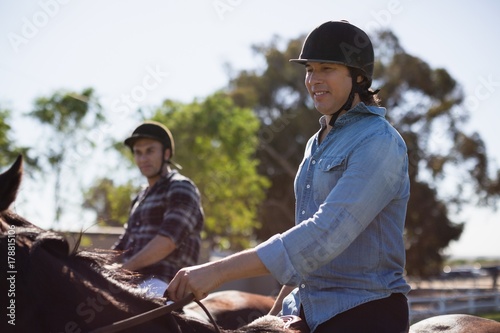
point(152, 314)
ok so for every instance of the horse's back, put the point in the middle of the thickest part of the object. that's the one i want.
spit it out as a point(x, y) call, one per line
point(232, 309)
point(456, 323)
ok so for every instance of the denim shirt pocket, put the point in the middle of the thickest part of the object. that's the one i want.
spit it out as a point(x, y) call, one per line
point(328, 172)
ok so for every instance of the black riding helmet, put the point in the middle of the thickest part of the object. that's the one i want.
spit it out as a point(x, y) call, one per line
point(155, 131)
point(339, 42)
point(342, 43)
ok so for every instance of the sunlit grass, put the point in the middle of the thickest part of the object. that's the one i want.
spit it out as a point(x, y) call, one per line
point(494, 316)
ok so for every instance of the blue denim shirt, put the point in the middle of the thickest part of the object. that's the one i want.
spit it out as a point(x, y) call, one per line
point(351, 194)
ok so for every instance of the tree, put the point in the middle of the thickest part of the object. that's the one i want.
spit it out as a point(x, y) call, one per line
point(215, 142)
point(110, 202)
point(448, 167)
point(69, 117)
point(280, 100)
point(424, 104)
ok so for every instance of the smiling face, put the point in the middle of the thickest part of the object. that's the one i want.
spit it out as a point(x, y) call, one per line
point(149, 156)
point(329, 85)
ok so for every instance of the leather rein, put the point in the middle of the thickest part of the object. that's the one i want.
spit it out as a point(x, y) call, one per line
point(155, 313)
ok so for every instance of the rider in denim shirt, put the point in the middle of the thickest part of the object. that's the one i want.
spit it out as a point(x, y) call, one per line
point(342, 264)
point(347, 247)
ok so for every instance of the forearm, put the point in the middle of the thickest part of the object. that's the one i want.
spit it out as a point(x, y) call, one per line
point(157, 249)
point(202, 279)
point(241, 265)
point(285, 290)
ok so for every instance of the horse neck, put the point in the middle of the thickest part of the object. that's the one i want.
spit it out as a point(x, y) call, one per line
point(65, 294)
point(60, 292)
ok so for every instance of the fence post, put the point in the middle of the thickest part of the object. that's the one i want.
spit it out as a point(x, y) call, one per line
point(470, 301)
point(442, 305)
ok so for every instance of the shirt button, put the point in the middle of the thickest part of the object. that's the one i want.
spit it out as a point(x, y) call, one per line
point(313, 162)
point(302, 285)
point(303, 212)
point(308, 186)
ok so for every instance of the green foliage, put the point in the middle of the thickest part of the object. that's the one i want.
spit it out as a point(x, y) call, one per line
point(215, 142)
point(110, 202)
point(65, 111)
point(4, 130)
point(492, 316)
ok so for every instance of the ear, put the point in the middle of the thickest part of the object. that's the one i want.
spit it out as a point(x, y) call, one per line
point(167, 154)
point(9, 183)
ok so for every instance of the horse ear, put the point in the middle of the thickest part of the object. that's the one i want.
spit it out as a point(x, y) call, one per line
point(52, 243)
point(10, 181)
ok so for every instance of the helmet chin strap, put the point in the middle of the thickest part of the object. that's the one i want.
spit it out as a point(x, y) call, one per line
point(163, 162)
point(356, 88)
point(348, 103)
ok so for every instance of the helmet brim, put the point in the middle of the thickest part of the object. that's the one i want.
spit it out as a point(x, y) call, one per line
point(304, 61)
point(131, 140)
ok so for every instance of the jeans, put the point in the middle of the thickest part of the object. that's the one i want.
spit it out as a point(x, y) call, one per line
point(387, 315)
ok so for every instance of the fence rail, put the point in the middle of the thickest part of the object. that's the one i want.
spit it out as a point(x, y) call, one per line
point(469, 302)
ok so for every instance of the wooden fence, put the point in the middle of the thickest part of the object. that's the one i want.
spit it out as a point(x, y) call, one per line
point(473, 301)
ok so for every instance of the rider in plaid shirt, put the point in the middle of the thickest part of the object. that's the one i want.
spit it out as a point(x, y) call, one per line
point(162, 234)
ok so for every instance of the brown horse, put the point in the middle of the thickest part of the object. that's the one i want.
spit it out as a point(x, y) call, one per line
point(52, 288)
point(231, 309)
point(456, 323)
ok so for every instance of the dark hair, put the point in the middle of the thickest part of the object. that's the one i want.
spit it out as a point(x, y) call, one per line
point(366, 94)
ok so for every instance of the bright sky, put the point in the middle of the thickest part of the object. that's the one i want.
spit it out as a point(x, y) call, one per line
point(157, 49)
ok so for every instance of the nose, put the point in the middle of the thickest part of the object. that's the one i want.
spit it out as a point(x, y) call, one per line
point(313, 77)
point(140, 158)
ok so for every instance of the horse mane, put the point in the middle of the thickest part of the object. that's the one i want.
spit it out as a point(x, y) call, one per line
point(56, 285)
point(57, 245)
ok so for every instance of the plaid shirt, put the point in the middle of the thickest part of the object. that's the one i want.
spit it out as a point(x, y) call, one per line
point(171, 208)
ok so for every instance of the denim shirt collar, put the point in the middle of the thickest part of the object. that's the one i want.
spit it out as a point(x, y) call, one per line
point(359, 110)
